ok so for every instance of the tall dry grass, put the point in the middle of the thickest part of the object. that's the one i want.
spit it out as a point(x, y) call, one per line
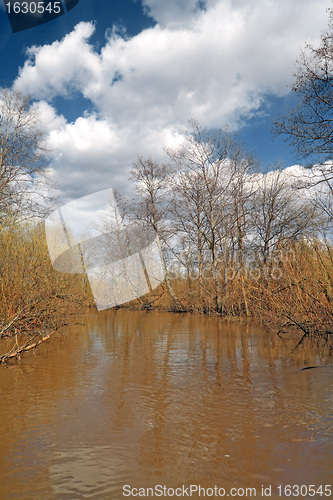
point(302, 294)
point(35, 300)
point(294, 288)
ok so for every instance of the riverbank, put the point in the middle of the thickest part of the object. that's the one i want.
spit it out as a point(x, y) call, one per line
point(293, 290)
point(36, 301)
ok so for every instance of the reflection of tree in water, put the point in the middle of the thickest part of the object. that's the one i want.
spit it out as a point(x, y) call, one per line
point(205, 396)
point(154, 398)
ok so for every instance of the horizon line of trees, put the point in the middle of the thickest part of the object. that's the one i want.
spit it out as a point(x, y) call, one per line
point(235, 240)
point(229, 232)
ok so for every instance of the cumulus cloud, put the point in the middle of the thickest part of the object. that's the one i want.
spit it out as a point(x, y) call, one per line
point(49, 117)
point(57, 69)
point(175, 13)
point(214, 61)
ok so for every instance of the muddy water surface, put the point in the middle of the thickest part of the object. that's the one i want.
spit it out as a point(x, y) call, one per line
point(145, 399)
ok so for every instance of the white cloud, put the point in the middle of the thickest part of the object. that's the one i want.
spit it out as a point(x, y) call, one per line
point(49, 117)
point(57, 69)
point(175, 13)
point(91, 154)
point(214, 64)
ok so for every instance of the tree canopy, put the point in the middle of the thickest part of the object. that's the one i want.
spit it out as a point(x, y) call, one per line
point(309, 126)
point(23, 153)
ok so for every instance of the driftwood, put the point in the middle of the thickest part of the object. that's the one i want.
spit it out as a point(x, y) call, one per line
point(17, 350)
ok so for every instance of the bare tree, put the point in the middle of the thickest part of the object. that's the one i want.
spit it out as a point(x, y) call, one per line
point(212, 166)
point(189, 217)
point(279, 213)
point(23, 154)
point(308, 127)
point(152, 182)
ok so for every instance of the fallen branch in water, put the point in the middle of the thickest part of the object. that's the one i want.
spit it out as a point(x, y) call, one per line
point(305, 331)
point(17, 350)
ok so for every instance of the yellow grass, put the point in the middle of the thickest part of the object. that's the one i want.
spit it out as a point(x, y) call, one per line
point(295, 288)
point(35, 300)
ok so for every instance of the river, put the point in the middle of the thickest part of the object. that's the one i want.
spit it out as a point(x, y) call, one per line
point(149, 399)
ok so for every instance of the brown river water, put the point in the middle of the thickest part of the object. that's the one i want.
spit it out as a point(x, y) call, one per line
point(158, 400)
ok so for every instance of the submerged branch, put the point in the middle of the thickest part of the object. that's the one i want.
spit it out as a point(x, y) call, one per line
point(16, 351)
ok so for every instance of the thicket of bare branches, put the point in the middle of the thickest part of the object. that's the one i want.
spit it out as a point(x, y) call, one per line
point(23, 157)
point(308, 127)
point(35, 300)
point(235, 240)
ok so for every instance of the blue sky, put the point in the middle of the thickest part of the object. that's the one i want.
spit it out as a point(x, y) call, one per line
point(117, 78)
